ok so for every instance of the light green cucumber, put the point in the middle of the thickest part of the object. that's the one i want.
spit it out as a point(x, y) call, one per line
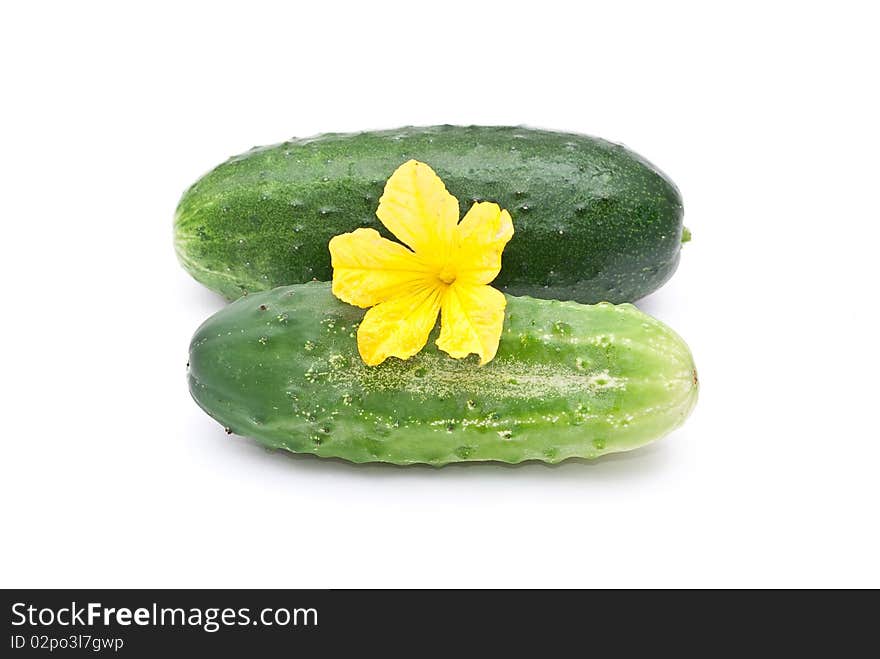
point(569, 380)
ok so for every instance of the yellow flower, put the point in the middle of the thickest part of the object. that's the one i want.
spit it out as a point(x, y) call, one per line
point(446, 268)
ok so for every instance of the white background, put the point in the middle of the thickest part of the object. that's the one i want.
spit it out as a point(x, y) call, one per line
point(765, 115)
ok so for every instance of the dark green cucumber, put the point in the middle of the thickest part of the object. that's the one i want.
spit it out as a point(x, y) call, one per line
point(569, 380)
point(593, 220)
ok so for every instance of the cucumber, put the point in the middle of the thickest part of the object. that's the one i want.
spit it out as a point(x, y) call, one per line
point(569, 380)
point(593, 220)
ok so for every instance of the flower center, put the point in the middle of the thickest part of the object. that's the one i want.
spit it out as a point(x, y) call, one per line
point(446, 274)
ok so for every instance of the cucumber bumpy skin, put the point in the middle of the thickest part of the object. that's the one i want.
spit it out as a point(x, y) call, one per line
point(594, 221)
point(569, 380)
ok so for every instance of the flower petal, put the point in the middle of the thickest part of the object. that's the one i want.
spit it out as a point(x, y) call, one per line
point(481, 237)
point(471, 321)
point(398, 327)
point(369, 269)
point(418, 210)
